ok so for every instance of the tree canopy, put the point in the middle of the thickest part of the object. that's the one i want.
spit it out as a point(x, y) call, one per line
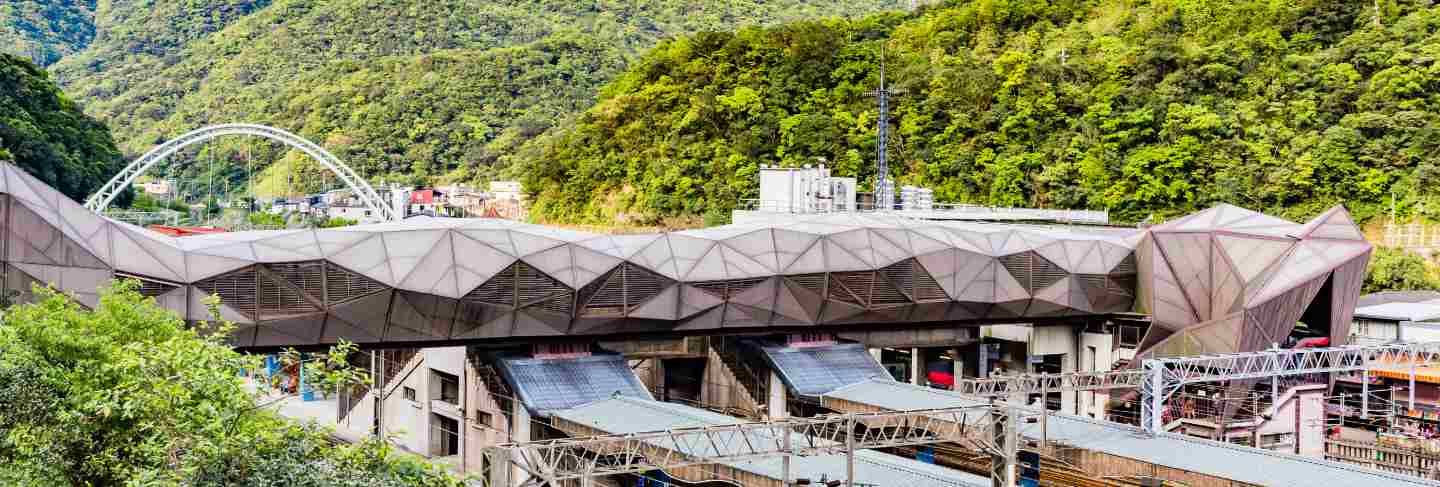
point(1141, 107)
point(46, 133)
point(125, 394)
point(400, 89)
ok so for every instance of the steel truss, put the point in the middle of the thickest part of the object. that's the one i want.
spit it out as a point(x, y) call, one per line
point(1043, 383)
point(580, 460)
point(1165, 376)
point(363, 191)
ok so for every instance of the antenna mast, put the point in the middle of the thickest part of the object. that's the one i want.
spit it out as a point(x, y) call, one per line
point(884, 191)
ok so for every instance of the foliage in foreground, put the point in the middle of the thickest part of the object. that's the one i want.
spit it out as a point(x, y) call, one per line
point(125, 395)
point(1143, 107)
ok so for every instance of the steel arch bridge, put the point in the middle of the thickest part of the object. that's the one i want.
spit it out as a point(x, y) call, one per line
point(367, 195)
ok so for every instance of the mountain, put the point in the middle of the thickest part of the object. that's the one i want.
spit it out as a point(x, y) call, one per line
point(1147, 108)
point(46, 30)
point(45, 133)
point(400, 89)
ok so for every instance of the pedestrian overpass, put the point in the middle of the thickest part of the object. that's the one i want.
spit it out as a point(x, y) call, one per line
point(1221, 280)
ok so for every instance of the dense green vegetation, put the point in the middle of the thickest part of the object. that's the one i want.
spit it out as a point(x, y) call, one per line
point(47, 134)
point(126, 394)
point(1393, 269)
point(46, 30)
point(1141, 107)
point(400, 89)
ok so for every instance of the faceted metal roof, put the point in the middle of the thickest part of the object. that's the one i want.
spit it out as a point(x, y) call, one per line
point(440, 279)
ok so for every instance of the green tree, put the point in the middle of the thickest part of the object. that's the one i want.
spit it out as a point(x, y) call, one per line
point(46, 134)
point(127, 394)
point(1393, 269)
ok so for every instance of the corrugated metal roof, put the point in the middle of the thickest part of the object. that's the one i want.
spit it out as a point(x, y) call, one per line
point(546, 385)
point(624, 415)
point(1243, 464)
point(1383, 297)
point(1233, 462)
point(1400, 311)
point(812, 371)
point(900, 396)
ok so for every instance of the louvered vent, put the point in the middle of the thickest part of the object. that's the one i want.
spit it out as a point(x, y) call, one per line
point(713, 288)
point(896, 284)
point(812, 282)
point(1044, 272)
point(927, 289)
point(279, 300)
point(620, 290)
point(237, 290)
point(885, 292)
point(604, 296)
point(1122, 285)
point(500, 289)
point(729, 288)
point(532, 284)
point(308, 276)
point(1126, 265)
point(149, 287)
point(563, 304)
point(839, 289)
point(641, 284)
point(1032, 270)
point(341, 285)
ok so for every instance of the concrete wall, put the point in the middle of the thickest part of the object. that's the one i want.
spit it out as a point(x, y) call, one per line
point(407, 422)
point(1096, 355)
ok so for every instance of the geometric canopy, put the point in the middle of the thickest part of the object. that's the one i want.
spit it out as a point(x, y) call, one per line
point(426, 280)
point(1229, 279)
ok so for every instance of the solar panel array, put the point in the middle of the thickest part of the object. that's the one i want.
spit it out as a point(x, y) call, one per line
point(812, 371)
point(547, 385)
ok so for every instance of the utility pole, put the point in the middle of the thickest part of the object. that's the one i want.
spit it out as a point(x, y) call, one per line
point(884, 195)
point(850, 452)
point(1007, 439)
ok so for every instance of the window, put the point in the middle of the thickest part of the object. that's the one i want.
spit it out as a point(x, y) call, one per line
point(409, 393)
point(445, 387)
point(484, 418)
point(444, 436)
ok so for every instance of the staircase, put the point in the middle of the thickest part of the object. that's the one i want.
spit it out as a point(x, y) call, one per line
point(394, 361)
point(754, 387)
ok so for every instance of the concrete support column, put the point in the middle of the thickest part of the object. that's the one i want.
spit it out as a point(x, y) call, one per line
point(1067, 398)
point(917, 366)
point(957, 361)
point(776, 405)
point(1365, 394)
point(519, 432)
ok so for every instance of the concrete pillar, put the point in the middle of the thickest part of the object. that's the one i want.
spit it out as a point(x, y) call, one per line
point(917, 367)
point(1067, 398)
point(776, 405)
point(957, 361)
point(519, 432)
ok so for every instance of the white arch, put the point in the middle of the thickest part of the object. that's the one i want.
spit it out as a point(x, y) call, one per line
point(367, 195)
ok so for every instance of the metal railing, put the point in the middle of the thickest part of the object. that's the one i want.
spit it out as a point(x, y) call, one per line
point(935, 211)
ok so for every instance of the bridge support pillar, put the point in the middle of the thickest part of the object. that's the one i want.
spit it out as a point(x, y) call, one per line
point(917, 365)
point(519, 432)
point(776, 405)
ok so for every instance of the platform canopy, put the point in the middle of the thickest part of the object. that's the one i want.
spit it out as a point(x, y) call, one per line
point(442, 280)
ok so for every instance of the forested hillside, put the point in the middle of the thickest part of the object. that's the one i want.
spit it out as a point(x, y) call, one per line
point(46, 30)
point(44, 132)
point(1141, 107)
point(444, 89)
